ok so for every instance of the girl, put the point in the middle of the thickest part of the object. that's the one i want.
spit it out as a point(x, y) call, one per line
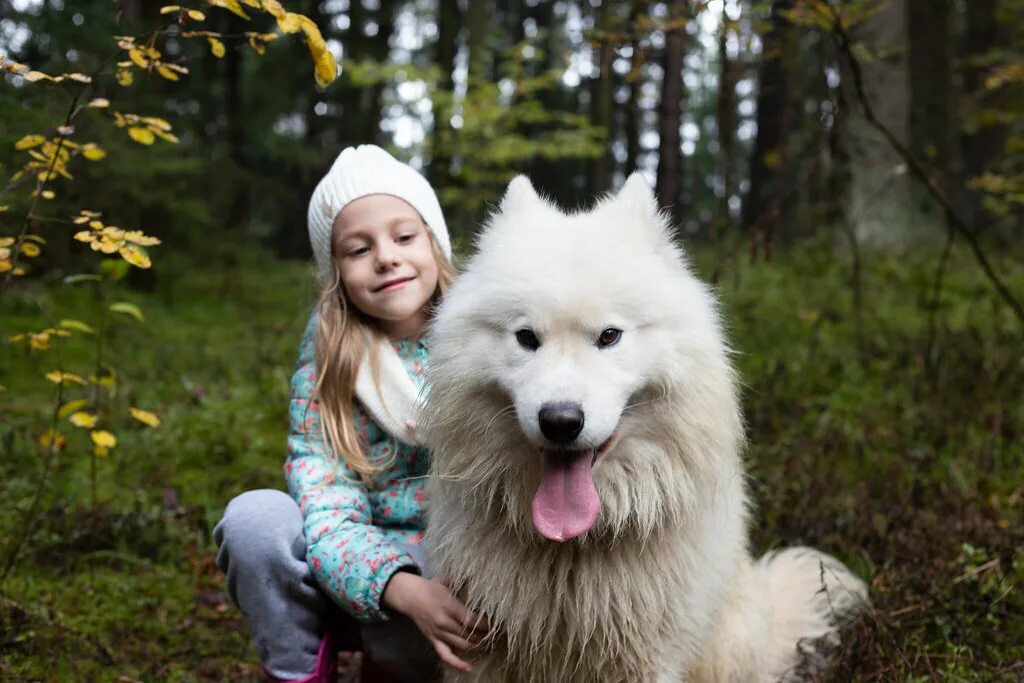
point(349, 534)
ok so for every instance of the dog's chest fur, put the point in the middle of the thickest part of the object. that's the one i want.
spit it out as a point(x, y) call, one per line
point(624, 611)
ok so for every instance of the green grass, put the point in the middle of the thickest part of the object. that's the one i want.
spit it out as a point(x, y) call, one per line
point(901, 452)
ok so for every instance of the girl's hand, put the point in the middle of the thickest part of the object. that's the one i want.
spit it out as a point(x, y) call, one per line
point(440, 616)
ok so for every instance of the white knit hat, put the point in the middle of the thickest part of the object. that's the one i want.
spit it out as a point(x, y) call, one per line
point(361, 171)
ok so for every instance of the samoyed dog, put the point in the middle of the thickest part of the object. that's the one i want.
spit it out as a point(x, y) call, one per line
point(588, 493)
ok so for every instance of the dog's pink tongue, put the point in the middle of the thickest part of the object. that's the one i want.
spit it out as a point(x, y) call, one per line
point(566, 503)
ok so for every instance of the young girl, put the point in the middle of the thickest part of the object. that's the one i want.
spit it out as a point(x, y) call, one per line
point(349, 534)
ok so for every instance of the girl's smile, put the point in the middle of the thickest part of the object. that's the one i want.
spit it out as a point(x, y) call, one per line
point(387, 265)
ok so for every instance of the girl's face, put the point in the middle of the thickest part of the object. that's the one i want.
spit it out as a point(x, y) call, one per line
point(383, 252)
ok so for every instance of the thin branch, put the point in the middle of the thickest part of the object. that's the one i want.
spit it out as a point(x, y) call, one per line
point(956, 224)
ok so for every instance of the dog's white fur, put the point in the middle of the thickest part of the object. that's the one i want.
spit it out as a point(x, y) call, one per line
point(663, 587)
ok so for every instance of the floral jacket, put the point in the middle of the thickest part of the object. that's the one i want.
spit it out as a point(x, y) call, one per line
point(355, 532)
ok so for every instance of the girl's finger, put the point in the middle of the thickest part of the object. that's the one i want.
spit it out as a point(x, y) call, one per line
point(475, 622)
point(468, 620)
point(449, 658)
point(456, 642)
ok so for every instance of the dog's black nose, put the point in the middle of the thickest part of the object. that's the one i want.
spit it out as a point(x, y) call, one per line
point(561, 422)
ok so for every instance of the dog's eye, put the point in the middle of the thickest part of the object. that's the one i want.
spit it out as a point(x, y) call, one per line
point(527, 339)
point(609, 337)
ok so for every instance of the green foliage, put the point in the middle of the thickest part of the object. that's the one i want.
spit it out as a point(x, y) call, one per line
point(900, 456)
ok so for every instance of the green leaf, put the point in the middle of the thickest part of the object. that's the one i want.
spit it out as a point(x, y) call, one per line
point(77, 325)
point(128, 309)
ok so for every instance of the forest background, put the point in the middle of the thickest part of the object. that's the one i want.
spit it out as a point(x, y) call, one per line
point(849, 175)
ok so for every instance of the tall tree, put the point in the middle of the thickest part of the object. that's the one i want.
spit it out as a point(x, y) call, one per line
point(726, 119)
point(670, 154)
point(601, 96)
point(763, 208)
point(985, 135)
point(933, 127)
point(634, 80)
point(879, 185)
point(448, 20)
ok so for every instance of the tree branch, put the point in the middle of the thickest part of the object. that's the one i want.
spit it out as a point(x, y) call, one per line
point(956, 224)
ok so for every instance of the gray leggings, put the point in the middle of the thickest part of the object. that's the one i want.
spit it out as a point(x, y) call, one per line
point(262, 550)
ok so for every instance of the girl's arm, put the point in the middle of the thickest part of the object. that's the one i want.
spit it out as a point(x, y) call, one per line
point(352, 559)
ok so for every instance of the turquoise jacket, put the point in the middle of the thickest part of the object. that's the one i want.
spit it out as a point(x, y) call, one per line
point(354, 531)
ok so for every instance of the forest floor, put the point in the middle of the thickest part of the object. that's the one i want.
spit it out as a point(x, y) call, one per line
point(893, 439)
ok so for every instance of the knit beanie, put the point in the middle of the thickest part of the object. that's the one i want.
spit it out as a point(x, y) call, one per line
point(361, 171)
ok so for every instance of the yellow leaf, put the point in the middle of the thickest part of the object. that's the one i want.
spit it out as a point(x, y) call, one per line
point(145, 417)
point(290, 22)
point(58, 377)
point(135, 54)
point(164, 136)
point(196, 15)
point(156, 122)
point(256, 45)
point(77, 325)
point(93, 152)
point(3, 207)
point(166, 73)
point(83, 419)
point(99, 103)
point(128, 309)
point(135, 256)
point(216, 47)
point(143, 136)
point(137, 237)
point(48, 194)
point(103, 438)
point(325, 68)
point(124, 77)
point(35, 238)
point(71, 407)
point(33, 76)
point(52, 440)
point(81, 78)
point(231, 5)
point(29, 141)
point(29, 249)
point(274, 8)
point(167, 9)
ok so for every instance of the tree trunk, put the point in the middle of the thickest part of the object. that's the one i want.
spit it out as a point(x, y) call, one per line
point(448, 19)
point(479, 55)
point(726, 115)
point(763, 208)
point(601, 100)
point(932, 124)
point(634, 80)
point(670, 154)
point(879, 184)
point(981, 144)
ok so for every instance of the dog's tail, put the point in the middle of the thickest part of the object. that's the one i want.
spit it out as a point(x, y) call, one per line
point(785, 618)
point(811, 597)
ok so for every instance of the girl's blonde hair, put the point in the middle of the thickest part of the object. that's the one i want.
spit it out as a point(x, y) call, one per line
point(342, 336)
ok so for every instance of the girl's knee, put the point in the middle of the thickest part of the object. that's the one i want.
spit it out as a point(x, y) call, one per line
point(264, 519)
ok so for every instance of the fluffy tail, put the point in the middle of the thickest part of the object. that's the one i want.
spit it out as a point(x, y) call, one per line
point(784, 619)
point(811, 597)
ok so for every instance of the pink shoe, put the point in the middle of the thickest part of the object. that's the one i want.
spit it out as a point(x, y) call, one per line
point(326, 670)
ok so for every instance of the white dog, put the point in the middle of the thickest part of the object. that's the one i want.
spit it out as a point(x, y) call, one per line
point(588, 492)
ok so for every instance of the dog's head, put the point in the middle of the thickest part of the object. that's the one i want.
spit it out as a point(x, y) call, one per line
point(579, 377)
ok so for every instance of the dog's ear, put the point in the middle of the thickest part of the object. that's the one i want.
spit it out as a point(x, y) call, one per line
point(638, 196)
point(519, 193)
